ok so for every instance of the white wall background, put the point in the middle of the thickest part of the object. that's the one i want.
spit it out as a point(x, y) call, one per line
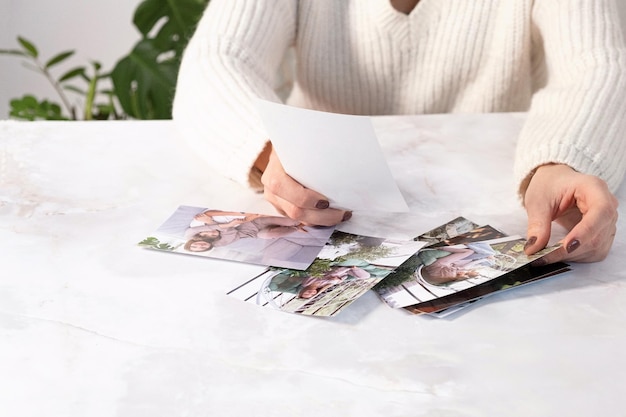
point(100, 30)
point(97, 30)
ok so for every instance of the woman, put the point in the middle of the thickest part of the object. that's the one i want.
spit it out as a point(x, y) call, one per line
point(224, 219)
point(259, 226)
point(312, 286)
point(562, 61)
point(456, 265)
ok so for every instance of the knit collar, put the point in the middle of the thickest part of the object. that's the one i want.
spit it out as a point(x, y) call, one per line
point(397, 23)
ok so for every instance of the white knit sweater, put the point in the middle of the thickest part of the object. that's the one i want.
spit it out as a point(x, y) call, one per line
point(563, 61)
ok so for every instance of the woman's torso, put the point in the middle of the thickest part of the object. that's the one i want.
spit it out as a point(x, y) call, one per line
point(365, 57)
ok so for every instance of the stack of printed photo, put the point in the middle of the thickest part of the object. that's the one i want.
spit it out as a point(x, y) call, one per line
point(319, 271)
point(462, 263)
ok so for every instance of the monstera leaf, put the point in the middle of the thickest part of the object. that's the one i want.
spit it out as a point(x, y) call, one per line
point(179, 16)
point(145, 79)
point(144, 85)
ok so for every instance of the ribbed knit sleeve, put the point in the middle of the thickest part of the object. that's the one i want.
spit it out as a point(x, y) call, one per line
point(579, 117)
point(233, 56)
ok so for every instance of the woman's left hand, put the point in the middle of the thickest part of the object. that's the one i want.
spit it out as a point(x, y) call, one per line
point(581, 203)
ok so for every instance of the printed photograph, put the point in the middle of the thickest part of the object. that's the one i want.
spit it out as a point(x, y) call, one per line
point(450, 304)
point(243, 237)
point(476, 235)
point(451, 272)
point(453, 228)
point(347, 267)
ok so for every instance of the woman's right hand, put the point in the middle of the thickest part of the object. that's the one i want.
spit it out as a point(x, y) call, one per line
point(294, 200)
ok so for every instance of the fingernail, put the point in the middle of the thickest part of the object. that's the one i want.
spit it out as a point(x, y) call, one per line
point(530, 242)
point(572, 246)
point(322, 204)
point(346, 216)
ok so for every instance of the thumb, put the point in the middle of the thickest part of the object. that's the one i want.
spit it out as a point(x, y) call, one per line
point(539, 227)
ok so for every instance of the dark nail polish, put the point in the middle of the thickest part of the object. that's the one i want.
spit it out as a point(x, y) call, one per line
point(572, 246)
point(530, 242)
point(322, 204)
point(346, 216)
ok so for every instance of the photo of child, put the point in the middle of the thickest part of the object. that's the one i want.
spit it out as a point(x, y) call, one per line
point(347, 267)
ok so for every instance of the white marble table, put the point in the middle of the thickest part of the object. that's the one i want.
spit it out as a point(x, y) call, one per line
point(91, 325)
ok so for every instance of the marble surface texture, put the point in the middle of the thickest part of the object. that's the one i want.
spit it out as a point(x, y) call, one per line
point(91, 325)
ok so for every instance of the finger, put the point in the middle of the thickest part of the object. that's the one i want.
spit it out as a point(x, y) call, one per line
point(539, 226)
point(591, 239)
point(596, 255)
point(556, 255)
point(277, 182)
point(570, 218)
point(327, 217)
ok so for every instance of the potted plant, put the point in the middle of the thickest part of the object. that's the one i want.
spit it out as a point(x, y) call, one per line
point(143, 81)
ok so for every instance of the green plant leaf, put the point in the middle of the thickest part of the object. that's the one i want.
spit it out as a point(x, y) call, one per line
point(75, 89)
point(29, 108)
point(28, 46)
point(27, 101)
point(143, 86)
point(58, 59)
point(97, 66)
point(73, 73)
point(103, 111)
point(147, 14)
point(169, 38)
point(144, 80)
point(183, 14)
point(12, 52)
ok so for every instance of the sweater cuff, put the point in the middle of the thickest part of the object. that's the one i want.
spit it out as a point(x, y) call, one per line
point(561, 153)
